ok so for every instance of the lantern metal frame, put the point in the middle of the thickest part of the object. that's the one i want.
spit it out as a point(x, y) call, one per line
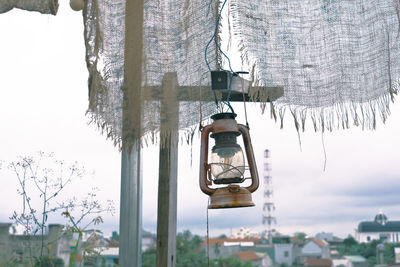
point(231, 196)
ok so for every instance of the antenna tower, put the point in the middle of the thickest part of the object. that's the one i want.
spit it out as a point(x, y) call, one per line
point(269, 207)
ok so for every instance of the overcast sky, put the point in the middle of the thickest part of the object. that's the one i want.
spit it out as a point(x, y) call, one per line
point(43, 100)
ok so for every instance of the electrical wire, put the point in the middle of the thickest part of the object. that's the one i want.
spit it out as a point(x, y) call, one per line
point(215, 40)
point(227, 101)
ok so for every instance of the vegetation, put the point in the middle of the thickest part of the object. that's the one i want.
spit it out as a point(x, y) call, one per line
point(42, 180)
point(46, 262)
point(189, 252)
point(367, 250)
point(300, 236)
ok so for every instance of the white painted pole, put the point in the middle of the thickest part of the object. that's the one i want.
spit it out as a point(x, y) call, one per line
point(130, 249)
point(130, 225)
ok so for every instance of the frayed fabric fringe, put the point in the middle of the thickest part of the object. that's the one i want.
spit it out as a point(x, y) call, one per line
point(167, 138)
point(338, 116)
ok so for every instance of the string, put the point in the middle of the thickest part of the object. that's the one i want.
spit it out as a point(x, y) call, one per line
point(323, 145)
point(208, 237)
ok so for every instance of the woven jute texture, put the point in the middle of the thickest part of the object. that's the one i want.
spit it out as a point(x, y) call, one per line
point(338, 60)
point(170, 53)
point(42, 6)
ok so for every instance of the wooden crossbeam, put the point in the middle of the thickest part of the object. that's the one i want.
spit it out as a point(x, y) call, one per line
point(193, 93)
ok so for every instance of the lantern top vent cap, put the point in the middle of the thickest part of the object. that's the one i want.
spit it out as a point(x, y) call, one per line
point(225, 115)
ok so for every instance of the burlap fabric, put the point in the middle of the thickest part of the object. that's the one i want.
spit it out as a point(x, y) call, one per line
point(174, 35)
point(42, 6)
point(338, 60)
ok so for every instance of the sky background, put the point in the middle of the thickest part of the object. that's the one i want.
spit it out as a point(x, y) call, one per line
point(43, 100)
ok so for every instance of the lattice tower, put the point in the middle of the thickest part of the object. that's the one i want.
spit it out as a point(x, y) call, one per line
point(269, 207)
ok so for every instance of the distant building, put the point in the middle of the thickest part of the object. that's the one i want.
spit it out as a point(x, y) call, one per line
point(256, 258)
point(315, 248)
point(341, 263)
point(324, 236)
point(225, 247)
point(244, 232)
point(283, 254)
point(109, 257)
point(333, 242)
point(108, 250)
point(281, 239)
point(316, 262)
point(351, 261)
point(378, 229)
point(20, 247)
point(329, 237)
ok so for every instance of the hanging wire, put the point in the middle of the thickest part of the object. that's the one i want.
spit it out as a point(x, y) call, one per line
point(233, 73)
point(226, 102)
point(215, 40)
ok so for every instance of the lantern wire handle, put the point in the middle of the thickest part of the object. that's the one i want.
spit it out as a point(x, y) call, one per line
point(214, 37)
point(209, 176)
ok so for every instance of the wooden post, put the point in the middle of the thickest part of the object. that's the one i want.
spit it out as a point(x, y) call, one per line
point(130, 248)
point(168, 173)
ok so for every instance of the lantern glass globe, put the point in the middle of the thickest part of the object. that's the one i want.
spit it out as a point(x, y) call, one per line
point(227, 162)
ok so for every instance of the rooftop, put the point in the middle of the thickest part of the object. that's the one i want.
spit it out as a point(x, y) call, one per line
point(355, 258)
point(317, 262)
point(113, 251)
point(221, 241)
point(367, 227)
point(247, 255)
point(380, 223)
point(319, 242)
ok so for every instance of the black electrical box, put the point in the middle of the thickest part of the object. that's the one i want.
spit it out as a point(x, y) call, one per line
point(220, 79)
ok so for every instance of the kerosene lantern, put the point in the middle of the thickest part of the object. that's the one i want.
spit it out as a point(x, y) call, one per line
point(227, 163)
